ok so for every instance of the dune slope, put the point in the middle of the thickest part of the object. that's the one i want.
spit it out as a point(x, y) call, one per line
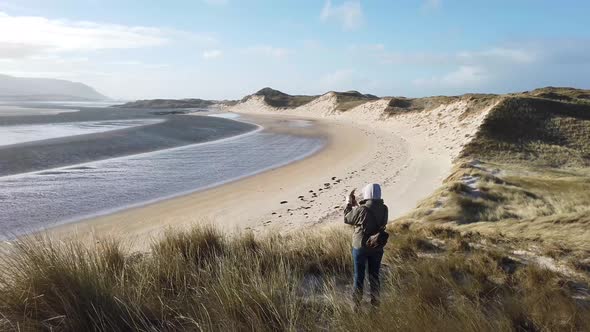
point(432, 137)
point(514, 163)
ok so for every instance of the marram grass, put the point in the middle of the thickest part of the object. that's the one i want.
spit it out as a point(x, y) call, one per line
point(203, 280)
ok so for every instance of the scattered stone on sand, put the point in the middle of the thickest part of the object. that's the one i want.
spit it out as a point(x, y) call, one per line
point(334, 178)
point(284, 202)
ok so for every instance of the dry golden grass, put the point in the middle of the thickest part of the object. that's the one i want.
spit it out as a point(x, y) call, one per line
point(279, 99)
point(550, 205)
point(351, 99)
point(525, 174)
point(475, 102)
point(201, 280)
point(534, 131)
point(561, 94)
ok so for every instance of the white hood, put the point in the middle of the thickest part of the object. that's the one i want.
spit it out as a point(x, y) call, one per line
point(372, 191)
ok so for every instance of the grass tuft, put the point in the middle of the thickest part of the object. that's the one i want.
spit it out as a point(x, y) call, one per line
point(204, 280)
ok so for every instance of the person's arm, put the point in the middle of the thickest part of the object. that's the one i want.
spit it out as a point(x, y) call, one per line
point(348, 210)
point(348, 214)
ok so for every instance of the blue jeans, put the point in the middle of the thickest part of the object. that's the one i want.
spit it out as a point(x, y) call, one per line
point(362, 258)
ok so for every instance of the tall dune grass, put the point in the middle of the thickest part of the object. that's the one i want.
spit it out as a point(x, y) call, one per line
point(202, 280)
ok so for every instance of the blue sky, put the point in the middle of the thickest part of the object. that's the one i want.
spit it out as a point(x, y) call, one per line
point(229, 48)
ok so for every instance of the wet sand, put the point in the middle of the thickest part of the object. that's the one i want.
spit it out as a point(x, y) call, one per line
point(293, 196)
point(168, 132)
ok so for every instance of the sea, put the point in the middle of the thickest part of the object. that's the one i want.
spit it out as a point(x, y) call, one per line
point(82, 161)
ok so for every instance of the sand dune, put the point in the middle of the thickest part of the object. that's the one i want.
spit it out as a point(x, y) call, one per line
point(414, 151)
point(408, 153)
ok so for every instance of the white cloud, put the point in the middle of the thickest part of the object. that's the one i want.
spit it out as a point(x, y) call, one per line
point(138, 64)
point(266, 50)
point(32, 34)
point(212, 54)
point(12, 50)
point(464, 76)
point(496, 56)
point(349, 14)
point(419, 58)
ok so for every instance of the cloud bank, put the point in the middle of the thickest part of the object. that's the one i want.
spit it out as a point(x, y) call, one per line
point(33, 35)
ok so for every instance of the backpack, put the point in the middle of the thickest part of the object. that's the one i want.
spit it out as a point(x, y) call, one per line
point(378, 240)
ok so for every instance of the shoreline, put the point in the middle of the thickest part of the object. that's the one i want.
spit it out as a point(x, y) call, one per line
point(409, 155)
point(238, 205)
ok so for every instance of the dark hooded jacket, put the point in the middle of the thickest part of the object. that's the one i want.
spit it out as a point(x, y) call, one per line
point(366, 223)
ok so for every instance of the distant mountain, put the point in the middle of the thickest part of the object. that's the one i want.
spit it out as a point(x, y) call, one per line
point(174, 103)
point(36, 89)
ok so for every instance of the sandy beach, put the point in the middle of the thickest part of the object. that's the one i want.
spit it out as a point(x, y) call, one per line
point(254, 202)
point(409, 156)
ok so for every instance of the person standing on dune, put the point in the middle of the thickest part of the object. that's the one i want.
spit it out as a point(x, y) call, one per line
point(369, 219)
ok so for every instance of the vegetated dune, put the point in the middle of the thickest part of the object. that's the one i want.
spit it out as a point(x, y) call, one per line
point(343, 100)
point(433, 123)
point(431, 132)
point(276, 98)
point(525, 173)
point(516, 163)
